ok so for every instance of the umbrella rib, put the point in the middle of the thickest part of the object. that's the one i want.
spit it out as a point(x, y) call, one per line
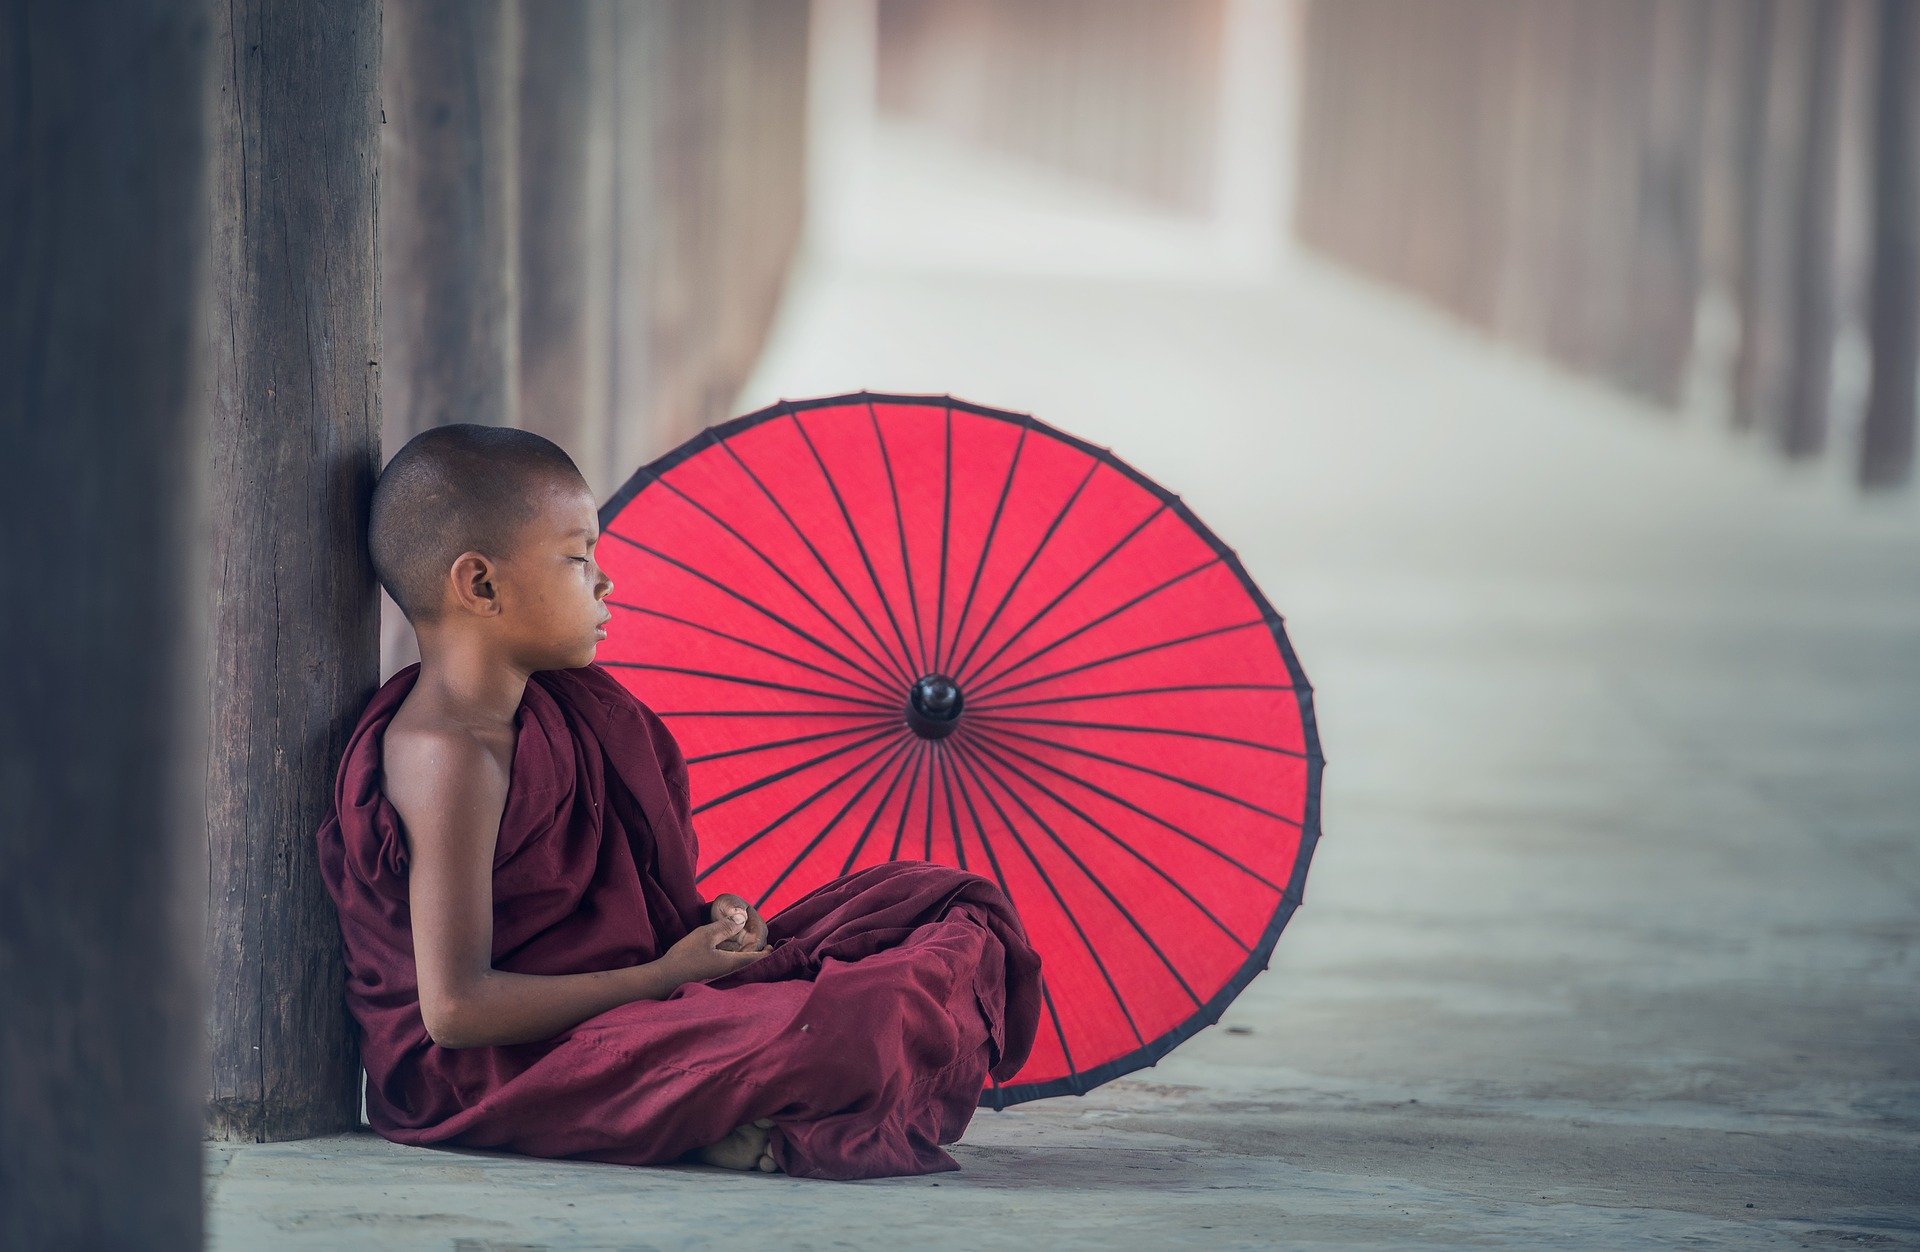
point(1123, 656)
point(1046, 537)
point(953, 814)
point(1094, 566)
point(759, 647)
point(1047, 879)
point(1134, 691)
point(781, 743)
point(903, 770)
point(764, 611)
point(906, 801)
point(831, 822)
point(1137, 855)
point(1152, 944)
point(791, 770)
point(986, 550)
point(771, 564)
point(755, 712)
point(987, 680)
point(775, 824)
point(1148, 769)
point(820, 561)
point(906, 650)
point(1143, 730)
point(746, 682)
point(900, 529)
point(1046, 996)
point(1155, 818)
point(946, 520)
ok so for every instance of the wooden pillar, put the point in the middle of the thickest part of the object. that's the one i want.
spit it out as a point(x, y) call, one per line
point(102, 221)
point(294, 443)
point(1893, 323)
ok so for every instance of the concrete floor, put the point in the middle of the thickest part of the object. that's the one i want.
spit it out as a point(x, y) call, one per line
point(1611, 940)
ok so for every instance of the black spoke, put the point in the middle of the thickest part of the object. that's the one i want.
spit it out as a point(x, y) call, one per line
point(1175, 779)
point(946, 519)
point(873, 685)
point(777, 822)
point(1123, 728)
point(791, 770)
point(953, 817)
point(1093, 566)
point(827, 828)
point(756, 712)
point(989, 679)
point(1046, 537)
point(859, 545)
point(906, 801)
point(980, 775)
point(1132, 691)
point(906, 768)
point(784, 743)
point(1122, 656)
point(773, 565)
point(986, 549)
point(755, 605)
point(746, 682)
point(1046, 996)
point(1066, 910)
point(900, 529)
point(1131, 807)
point(818, 559)
point(1126, 847)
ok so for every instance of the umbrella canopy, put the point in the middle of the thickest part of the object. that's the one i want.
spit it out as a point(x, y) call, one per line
point(906, 627)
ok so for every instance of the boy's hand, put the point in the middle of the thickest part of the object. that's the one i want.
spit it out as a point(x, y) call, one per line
point(704, 953)
point(753, 928)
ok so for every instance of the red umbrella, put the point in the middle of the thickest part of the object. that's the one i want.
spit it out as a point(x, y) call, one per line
point(907, 627)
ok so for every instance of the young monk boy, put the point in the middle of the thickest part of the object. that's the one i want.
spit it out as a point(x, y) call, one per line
point(511, 855)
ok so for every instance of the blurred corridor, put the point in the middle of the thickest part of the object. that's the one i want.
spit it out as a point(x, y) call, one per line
point(1611, 940)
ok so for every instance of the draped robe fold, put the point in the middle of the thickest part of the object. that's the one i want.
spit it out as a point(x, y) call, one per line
point(866, 1035)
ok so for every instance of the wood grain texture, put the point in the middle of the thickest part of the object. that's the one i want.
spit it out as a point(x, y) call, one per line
point(101, 227)
point(294, 340)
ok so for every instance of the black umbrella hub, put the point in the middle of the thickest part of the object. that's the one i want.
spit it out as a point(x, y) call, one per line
point(933, 707)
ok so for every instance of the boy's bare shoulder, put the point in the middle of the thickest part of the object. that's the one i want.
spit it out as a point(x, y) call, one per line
point(434, 767)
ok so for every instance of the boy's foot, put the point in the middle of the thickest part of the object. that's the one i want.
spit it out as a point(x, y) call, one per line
point(746, 1148)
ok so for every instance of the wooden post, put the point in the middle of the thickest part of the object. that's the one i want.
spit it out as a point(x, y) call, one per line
point(102, 220)
point(295, 439)
point(1887, 440)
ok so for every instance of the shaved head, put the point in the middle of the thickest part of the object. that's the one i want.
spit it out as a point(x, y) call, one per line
point(454, 489)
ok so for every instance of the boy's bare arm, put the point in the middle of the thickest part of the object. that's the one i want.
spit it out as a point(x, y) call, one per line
point(450, 792)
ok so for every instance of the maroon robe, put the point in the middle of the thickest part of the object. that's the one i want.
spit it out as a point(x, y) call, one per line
point(866, 1034)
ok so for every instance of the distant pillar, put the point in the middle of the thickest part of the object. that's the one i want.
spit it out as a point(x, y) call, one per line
point(1886, 450)
point(102, 222)
point(1802, 430)
point(565, 171)
point(295, 440)
point(448, 216)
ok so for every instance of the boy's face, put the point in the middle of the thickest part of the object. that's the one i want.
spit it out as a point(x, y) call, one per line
point(551, 588)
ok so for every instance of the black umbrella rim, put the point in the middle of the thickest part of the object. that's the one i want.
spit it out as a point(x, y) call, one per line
point(1082, 1081)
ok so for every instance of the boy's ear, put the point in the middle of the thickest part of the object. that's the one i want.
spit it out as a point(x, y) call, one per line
point(474, 589)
